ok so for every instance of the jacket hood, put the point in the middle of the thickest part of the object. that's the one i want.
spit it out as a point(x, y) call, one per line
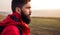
point(11, 21)
point(14, 19)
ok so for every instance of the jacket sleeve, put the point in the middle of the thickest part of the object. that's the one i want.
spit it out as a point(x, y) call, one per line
point(10, 30)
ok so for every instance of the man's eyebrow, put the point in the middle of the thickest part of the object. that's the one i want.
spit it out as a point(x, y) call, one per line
point(28, 7)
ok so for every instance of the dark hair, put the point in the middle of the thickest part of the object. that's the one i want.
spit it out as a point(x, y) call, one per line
point(18, 3)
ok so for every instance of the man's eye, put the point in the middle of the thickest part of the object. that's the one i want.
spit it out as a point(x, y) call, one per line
point(28, 7)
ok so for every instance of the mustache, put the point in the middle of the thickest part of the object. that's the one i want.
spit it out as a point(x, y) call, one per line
point(29, 13)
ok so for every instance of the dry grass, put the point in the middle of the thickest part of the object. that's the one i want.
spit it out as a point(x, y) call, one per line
point(45, 26)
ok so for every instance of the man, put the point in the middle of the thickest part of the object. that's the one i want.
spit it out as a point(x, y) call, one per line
point(20, 17)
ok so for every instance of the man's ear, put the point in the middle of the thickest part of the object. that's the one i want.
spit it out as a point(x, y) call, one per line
point(18, 10)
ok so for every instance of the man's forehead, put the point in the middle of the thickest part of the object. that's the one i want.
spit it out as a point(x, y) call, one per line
point(27, 5)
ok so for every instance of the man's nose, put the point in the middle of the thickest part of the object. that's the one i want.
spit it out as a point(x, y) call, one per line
point(29, 12)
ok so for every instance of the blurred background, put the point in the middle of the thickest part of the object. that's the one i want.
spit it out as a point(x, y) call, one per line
point(45, 18)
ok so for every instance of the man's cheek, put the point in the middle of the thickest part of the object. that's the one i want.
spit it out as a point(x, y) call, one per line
point(27, 11)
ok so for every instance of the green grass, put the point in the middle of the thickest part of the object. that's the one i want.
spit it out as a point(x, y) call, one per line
point(45, 26)
point(2, 17)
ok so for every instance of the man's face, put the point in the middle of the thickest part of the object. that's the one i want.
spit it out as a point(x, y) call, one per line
point(26, 12)
point(26, 9)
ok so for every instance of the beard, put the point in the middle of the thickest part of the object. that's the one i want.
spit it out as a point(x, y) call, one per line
point(25, 18)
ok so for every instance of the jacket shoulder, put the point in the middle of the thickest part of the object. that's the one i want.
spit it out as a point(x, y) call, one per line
point(10, 30)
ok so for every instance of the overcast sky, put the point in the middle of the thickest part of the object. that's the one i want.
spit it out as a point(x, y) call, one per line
point(45, 4)
point(5, 5)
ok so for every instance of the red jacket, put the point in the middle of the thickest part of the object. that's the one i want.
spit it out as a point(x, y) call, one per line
point(11, 29)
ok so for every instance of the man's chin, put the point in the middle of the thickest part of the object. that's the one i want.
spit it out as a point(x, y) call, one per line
point(26, 19)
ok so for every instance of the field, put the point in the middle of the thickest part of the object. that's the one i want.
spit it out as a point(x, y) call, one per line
point(45, 26)
point(2, 17)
